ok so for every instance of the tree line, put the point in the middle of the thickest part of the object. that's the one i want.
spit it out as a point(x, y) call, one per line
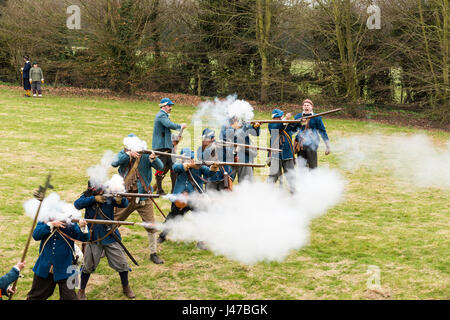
point(376, 52)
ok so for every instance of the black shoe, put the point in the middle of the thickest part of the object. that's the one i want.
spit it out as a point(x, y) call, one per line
point(155, 259)
point(161, 239)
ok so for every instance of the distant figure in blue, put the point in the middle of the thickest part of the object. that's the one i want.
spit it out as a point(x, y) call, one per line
point(162, 138)
point(237, 131)
point(10, 277)
point(281, 138)
point(307, 140)
point(190, 180)
point(26, 76)
point(102, 240)
point(56, 257)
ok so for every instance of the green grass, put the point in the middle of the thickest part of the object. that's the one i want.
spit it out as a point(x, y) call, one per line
point(401, 229)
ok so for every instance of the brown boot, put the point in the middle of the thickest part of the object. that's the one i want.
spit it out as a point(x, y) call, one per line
point(82, 294)
point(128, 292)
point(159, 180)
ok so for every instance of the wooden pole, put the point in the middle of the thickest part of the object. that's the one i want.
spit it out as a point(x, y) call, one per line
point(40, 195)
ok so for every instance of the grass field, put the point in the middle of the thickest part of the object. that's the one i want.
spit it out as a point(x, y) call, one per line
point(401, 229)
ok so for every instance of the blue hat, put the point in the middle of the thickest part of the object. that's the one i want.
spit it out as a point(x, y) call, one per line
point(187, 152)
point(298, 116)
point(131, 135)
point(277, 113)
point(208, 134)
point(166, 102)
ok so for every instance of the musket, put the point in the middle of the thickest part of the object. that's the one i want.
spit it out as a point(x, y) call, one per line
point(147, 225)
point(40, 195)
point(248, 146)
point(130, 195)
point(161, 153)
point(298, 120)
point(231, 164)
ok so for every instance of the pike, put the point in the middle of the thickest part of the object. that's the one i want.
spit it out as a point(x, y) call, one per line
point(40, 195)
point(298, 120)
point(248, 146)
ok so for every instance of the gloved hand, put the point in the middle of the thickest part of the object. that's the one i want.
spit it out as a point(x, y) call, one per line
point(31, 81)
point(118, 199)
point(214, 168)
point(256, 125)
point(100, 199)
point(42, 81)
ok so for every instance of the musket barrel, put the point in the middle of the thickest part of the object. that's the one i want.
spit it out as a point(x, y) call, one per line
point(127, 194)
point(298, 120)
point(221, 142)
point(232, 164)
point(161, 153)
point(97, 221)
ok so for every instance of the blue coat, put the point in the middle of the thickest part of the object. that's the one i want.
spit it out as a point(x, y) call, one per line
point(206, 156)
point(6, 280)
point(241, 135)
point(184, 184)
point(310, 137)
point(281, 138)
point(56, 252)
point(144, 167)
point(26, 70)
point(100, 230)
point(162, 137)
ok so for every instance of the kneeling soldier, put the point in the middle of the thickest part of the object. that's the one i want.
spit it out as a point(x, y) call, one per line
point(190, 177)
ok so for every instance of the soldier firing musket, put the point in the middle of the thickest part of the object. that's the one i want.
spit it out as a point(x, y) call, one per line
point(136, 169)
point(238, 132)
point(191, 176)
point(104, 236)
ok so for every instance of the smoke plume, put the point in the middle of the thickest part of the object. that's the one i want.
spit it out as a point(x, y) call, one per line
point(216, 113)
point(412, 159)
point(134, 144)
point(53, 208)
point(98, 174)
point(259, 221)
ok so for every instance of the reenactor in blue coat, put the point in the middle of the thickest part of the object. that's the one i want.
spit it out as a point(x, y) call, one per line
point(103, 239)
point(284, 161)
point(307, 140)
point(137, 170)
point(239, 132)
point(10, 277)
point(190, 179)
point(56, 258)
point(223, 178)
point(26, 76)
point(162, 137)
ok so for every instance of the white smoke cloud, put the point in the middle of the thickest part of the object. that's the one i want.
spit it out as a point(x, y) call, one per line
point(98, 174)
point(53, 208)
point(216, 113)
point(115, 185)
point(412, 159)
point(260, 221)
point(134, 144)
